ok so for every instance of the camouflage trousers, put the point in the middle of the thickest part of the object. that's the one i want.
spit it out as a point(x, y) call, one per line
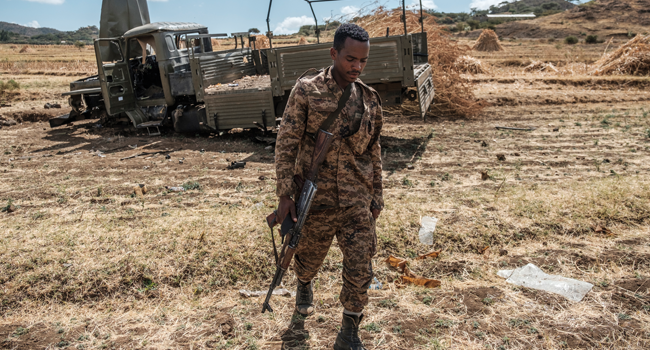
point(354, 228)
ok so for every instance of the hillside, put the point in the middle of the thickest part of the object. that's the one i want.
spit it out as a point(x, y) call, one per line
point(26, 31)
point(17, 34)
point(605, 18)
point(539, 7)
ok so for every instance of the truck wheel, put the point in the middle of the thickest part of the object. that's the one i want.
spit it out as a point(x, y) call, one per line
point(412, 95)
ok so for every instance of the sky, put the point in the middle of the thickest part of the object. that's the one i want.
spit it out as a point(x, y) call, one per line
point(221, 16)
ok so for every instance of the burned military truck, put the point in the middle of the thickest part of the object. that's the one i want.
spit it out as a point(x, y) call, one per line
point(168, 75)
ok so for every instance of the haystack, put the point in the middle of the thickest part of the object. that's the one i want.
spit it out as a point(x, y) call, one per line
point(633, 58)
point(215, 44)
point(303, 41)
point(262, 42)
point(488, 41)
point(539, 66)
point(470, 65)
point(454, 93)
point(25, 49)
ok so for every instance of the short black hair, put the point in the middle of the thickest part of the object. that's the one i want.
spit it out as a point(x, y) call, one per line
point(349, 30)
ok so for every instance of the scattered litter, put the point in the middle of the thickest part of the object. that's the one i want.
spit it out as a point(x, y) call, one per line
point(501, 157)
point(483, 250)
point(432, 255)
point(376, 285)
point(233, 85)
point(258, 205)
point(420, 281)
point(52, 105)
point(410, 167)
point(556, 129)
point(202, 150)
point(247, 293)
point(531, 276)
point(484, 175)
point(602, 230)
point(517, 129)
point(427, 226)
point(268, 148)
point(409, 277)
point(133, 146)
point(67, 265)
point(146, 168)
point(236, 165)
point(167, 156)
point(175, 189)
point(180, 161)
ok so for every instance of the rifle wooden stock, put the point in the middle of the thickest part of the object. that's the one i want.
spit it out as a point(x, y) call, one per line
point(287, 253)
point(323, 141)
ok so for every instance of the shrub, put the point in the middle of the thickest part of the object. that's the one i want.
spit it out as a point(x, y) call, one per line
point(570, 40)
point(591, 39)
point(10, 85)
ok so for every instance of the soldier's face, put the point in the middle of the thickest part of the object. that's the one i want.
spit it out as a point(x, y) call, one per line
point(351, 60)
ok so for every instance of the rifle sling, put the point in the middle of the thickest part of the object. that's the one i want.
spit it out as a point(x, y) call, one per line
point(332, 117)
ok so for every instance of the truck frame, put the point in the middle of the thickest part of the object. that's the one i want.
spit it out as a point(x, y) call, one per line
point(166, 69)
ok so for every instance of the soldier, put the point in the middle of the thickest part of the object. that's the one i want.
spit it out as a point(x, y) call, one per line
point(349, 197)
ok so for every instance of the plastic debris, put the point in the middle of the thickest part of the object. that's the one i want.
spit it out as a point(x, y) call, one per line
point(281, 291)
point(233, 85)
point(531, 276)
point(428, 225)
point(236, 165)
point(376, 284)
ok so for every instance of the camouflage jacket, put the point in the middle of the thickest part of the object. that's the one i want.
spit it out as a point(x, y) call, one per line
point(351, 173)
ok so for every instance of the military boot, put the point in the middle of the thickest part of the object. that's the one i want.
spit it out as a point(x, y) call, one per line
point(304, 299)
point(348, 338)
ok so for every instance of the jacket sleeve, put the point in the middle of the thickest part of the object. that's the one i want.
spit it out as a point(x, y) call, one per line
point(292, 129)
point(375, 154)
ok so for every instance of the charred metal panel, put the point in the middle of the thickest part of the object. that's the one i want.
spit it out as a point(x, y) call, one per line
point(406, 51)
point(117, 17)
point(226, 66)
point(181, 84)
point(385, 64)
point(420, 49)
point(240, 108)
point(426, 91)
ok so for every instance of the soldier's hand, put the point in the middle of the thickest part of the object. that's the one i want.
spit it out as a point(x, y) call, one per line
point(375, 213)
point(286, 207)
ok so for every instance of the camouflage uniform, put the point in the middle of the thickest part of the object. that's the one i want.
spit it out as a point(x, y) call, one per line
point(349, 181)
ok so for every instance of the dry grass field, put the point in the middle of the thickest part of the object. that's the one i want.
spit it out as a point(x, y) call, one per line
point(86, 264)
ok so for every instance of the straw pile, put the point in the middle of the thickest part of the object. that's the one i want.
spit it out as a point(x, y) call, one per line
point(303, 41)
point(454, 94)
point(633, 58)
point(470, 65)
point(215, 44)
point(262, 42)
point(25, 49)
point(539, 66)
point(488, 41)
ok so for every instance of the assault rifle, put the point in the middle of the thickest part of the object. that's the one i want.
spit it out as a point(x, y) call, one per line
point(289, 230)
